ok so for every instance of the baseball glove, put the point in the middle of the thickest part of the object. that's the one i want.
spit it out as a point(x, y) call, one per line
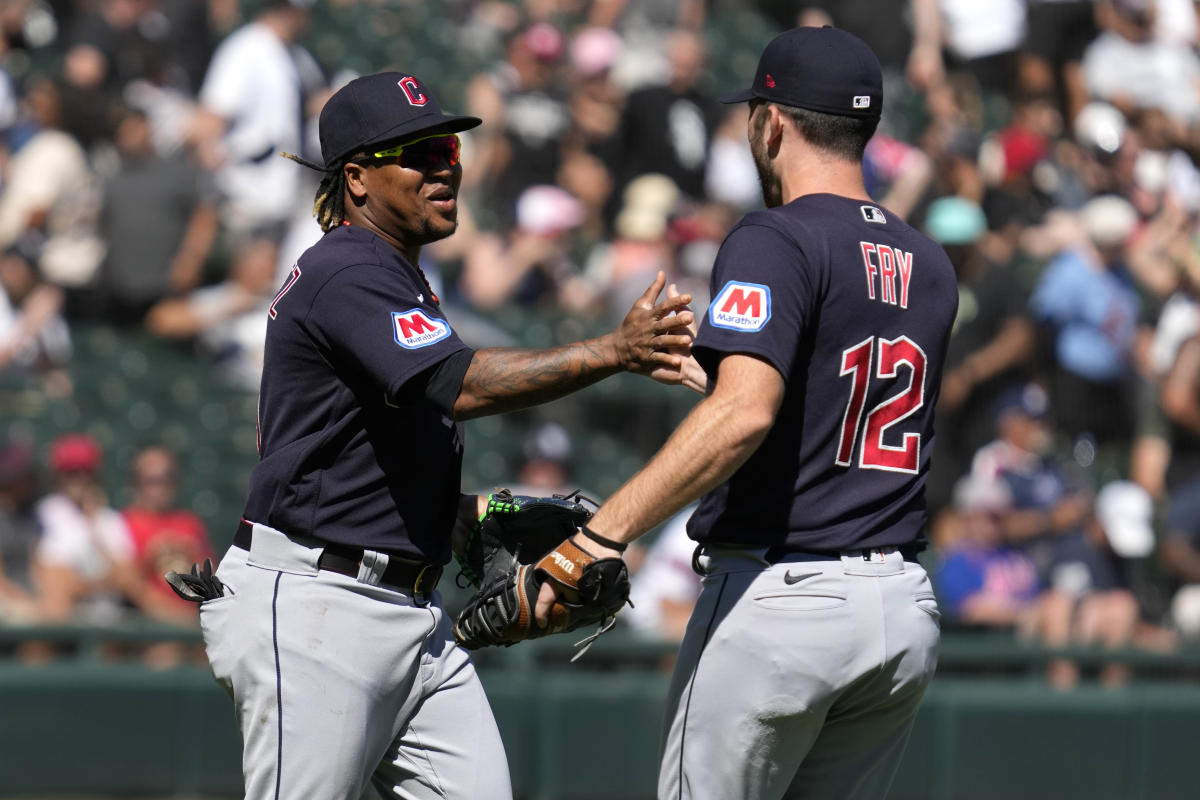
point(519, 529)
point(589, 590)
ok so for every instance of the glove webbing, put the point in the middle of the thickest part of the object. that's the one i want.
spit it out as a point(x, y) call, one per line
point(497, 501)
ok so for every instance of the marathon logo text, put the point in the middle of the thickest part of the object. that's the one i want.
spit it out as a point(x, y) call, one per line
point(414, 328)
point(741, 307)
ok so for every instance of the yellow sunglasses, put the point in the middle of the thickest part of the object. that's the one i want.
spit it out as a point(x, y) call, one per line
point(426, 152)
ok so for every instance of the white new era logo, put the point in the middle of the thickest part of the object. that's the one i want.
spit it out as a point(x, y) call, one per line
point(862, 101)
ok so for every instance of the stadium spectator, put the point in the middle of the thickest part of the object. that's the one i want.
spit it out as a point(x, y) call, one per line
point(596, 101)
point(110, 44)
point(1043, 506)
point(1130, 67)
point(1181, 401)
point(83, 560)
point(1057, 34)
point(527, 116)
point(19, 532)
point(984, 39)
point(546, 464)
point(1179, 553)
point(34, 336)
point(1052, 520)
point(165, 536)
point(84, 563)
point(983, 580)
point(50, 201)
point(667, 128)
point(1090, 307)
point(730, 176)
point(641, 246)
point(991, 346)
point(241, 126)
point(227, 320)
point(159, 219)
point(531, 265)
point(1179, 556)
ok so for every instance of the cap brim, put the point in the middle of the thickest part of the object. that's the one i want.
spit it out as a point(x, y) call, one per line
point(738, 97)
point(430, 124)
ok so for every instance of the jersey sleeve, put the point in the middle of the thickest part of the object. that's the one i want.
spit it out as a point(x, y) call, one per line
point(369, 318)
point(761, 299)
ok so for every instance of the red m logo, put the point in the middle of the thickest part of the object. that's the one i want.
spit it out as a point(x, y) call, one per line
point(743, 302)
point(412, 90)
point(414, 325)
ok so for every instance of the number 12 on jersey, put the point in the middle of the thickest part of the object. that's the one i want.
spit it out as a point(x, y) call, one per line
point(857, 362)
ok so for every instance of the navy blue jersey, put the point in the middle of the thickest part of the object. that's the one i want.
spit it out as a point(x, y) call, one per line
point(351, 451)
point(853, 308)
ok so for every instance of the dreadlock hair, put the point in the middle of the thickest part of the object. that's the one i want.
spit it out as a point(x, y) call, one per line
point(330, 205)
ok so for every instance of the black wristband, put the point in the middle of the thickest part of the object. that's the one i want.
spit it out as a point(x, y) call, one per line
point(598, 539)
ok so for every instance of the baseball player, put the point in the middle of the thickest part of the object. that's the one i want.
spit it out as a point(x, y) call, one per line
point(323, 621)
point(815, 634)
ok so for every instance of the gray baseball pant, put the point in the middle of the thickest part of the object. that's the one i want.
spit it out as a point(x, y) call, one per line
point(798, 679)
point(344, 689)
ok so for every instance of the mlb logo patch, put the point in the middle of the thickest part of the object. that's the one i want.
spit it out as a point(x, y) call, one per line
point(415, 328)
point(862, 101)
point(741, 307)
point(873, 214)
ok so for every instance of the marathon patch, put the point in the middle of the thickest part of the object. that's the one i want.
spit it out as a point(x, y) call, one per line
point(414, 328)
point(741, 307)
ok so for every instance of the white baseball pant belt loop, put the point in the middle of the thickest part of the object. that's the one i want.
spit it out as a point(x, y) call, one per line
point(372, 566)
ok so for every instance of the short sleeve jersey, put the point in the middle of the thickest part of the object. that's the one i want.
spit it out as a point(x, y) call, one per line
point(351, 450)
point(854, 309)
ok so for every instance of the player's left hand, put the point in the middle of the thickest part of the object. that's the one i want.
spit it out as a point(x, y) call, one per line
point(649, 333)
point(547, 596)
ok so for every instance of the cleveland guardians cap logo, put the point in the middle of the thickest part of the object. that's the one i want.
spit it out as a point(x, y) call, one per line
point(741, 307)
point(414, 328)
point(412, 90)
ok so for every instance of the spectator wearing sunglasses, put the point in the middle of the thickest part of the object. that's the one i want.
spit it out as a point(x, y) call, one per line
point(165, 536)
point(328, 629)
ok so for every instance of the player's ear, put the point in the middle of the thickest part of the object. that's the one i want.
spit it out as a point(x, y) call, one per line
point(355, 180)
point(773, 130)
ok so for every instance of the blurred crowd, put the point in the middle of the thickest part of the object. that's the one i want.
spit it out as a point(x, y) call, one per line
point(1051, 146)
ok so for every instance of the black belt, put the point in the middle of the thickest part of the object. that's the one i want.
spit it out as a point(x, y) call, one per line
point(776, 554)
point(907, 551)
point(410, 577)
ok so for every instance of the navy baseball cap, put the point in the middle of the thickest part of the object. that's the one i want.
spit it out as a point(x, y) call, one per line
point(821, 69)
point(380, 108)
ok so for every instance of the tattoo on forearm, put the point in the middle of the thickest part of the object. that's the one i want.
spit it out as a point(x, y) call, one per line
point(504, 379)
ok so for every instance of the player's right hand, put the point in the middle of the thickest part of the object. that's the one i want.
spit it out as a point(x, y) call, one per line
point(688, 373)
point(648, 334)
